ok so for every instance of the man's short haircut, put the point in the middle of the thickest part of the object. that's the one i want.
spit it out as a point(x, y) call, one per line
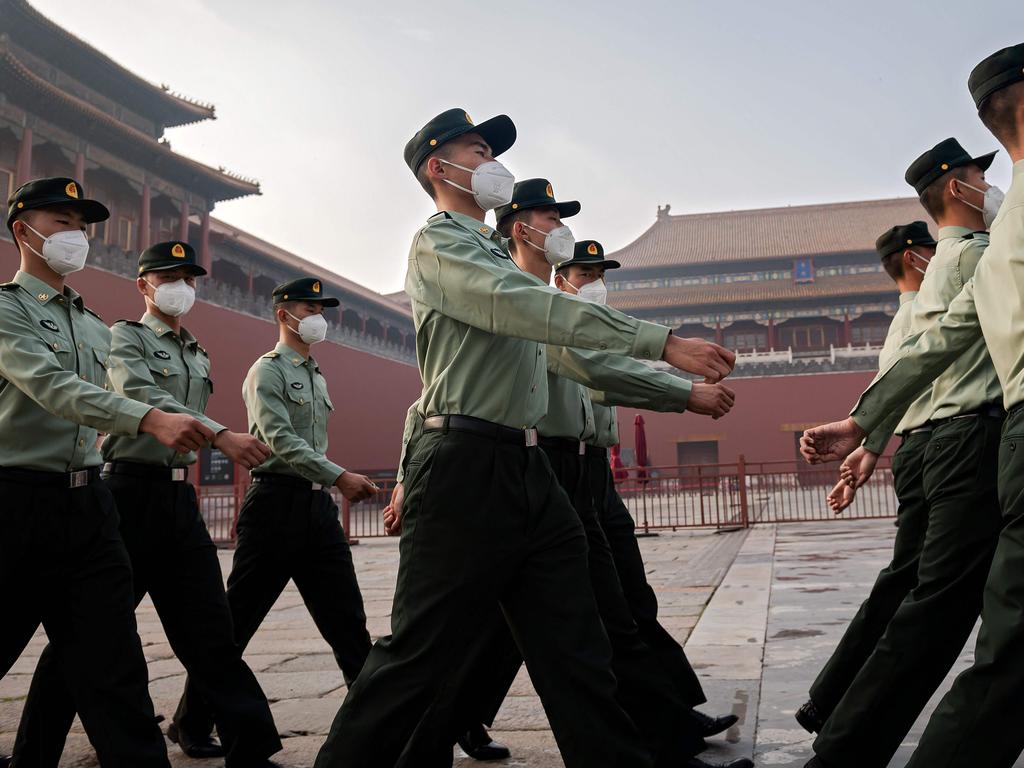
point(893, 264)
point(443, 152)
point(999, 112)
point(507, 222)
point(933, 198)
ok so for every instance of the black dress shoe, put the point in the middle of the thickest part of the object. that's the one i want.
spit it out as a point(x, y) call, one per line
point(712, 726)
point(5, 761)
point(810, 717)
point(196, 748)
point(743, 762)
point(477, 743)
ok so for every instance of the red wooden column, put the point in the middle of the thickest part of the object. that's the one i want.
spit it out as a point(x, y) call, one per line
point(847, 336)
point(718, 333)
point(183, 223)
point(771, 333)
point(24, 170)
point(80, 167)
point(205, 257)
point(144, 221)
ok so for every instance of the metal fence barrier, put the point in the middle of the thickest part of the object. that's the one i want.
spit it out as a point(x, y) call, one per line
point(735, 495)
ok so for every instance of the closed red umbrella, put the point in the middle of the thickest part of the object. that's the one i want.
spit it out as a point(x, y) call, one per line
point(640, 441)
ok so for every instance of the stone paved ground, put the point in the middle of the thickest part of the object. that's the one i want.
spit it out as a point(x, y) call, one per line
point(760, 612)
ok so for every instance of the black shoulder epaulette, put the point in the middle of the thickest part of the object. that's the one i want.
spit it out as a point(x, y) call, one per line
point(200, 348)
point(133, 323)
point(93, 314)
point(270, 355)
point(9, 287)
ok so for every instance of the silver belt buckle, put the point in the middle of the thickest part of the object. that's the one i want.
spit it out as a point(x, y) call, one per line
point(178, 474)
point(317, 486)
point(78, 479)
point(531, 437)
point(583, 448)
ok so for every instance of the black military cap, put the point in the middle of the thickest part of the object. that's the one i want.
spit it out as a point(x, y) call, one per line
point(943, 157)
point(589, 253)
point(170, 255)
point(1002, 68)
point(535, 193)
point(45, 193)
point(303, 289)
point(904, 236)
point(499, 132)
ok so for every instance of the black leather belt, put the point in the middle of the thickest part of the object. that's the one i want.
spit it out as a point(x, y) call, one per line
point(78, 479)
point(525, 437)
point(273, 478)
point(146, 471)
point(925, 429)
point(597, 452)
point(988, 411)
point(563, 444)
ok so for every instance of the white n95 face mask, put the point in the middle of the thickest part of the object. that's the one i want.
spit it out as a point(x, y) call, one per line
point(64, 252)
point(595, 292)
point(492, 183)
point(990, 207)
point(174, 299)
point(312, 329)
point(558, 244)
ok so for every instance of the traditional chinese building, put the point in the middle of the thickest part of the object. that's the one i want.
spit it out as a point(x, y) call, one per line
point(66, 109)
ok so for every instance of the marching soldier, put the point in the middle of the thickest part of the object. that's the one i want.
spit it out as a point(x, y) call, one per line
point(983, 700)
point(484, 517)
point(588, 267)
point(62, 561)
point(288, 525)
point(906, 252)
point(157, 361)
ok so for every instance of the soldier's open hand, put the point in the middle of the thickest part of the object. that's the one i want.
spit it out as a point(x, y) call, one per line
point(704, 358)
point(355, 487)
point(858, 467)
point(841, 497)
point(176, 430)
point(714, 400)
point(242, 448)
point(831, 442)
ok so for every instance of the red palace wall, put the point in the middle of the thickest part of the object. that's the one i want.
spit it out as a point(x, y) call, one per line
point(371, 395)
point(761, 426)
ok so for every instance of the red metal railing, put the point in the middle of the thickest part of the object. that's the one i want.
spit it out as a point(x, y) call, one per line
point(746, 493)
point(739, 494)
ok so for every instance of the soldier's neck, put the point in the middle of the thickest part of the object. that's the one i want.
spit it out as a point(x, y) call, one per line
point(908, 283)
point(534, 263)
point(174, 323)
point(293, 342)
point(962, 216)
point(457, 201)
point(33, 265)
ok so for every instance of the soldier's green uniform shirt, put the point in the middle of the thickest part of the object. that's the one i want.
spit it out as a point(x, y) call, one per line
point(150, 363)
point(606, 424)
point(481, 325)
point(288, 405)
point(991, 301)
point(53, 358)
point(615, 379)
point(899, 329)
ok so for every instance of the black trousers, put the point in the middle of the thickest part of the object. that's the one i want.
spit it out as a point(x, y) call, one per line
point(63, 564)
point(620, 530)
point(492, 663)
point(929, 629)
point(893, 584)
point(285, 532)
point(174, 561)
point(484, 521)
point(977, 723)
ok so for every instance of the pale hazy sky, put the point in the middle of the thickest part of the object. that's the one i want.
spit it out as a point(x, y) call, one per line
point(624, 106)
